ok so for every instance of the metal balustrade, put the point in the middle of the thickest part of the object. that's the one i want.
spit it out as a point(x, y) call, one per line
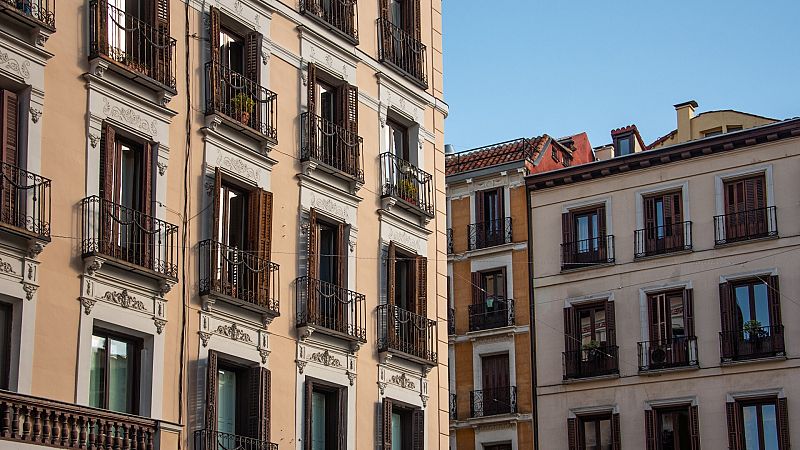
point(25, 202)
point(495, 313)
point(664, 239)
point(745, 225)
point(333, 145)
point(41, 11)
point(595, 362)
point(491, 402)
point(668, 353)
point(402, 50)
point(341, 15)
point(587, 252)
point(405, 332)
point(752, 343)
point(490, 233)
point(406, 182)
point(331, 308)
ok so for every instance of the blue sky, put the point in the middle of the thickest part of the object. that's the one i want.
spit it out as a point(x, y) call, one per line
point(528, 67)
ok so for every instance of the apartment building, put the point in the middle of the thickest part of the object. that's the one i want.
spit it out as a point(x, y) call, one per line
point(489, 317)
point(665, 294)
point(223, 225)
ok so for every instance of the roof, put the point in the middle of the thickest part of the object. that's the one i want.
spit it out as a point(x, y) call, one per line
point(492, 155)
point(629, 129)
point(672, 133)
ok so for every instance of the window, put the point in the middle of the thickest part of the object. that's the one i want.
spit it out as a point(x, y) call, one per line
point(590, 340)
point(567, 160)
point(746, 213)
point(6, 319)
point(673, 428)
point(396, 13)
point(490, 306)
point(594, 432)
point(126, 172)
point(669, 316)
point(403, 425)
point(398, 140)
point(732, 128)
point(584, 238)
point(664, 230)
point(327, 252)
point(496, 388)
point(504, 446)
point(554, 153)
point(751, 318)
point(490, 205)
point(407, 280)
point(237, 50)
point(231, 50)
point(114, 376)
point(326, 416)
point(623, 145)
point(592, 323)
point(712, 132)
point(490, 227)
point(758, 424)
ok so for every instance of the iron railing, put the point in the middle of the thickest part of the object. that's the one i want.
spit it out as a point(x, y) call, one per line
point(491, 402)
point(242, 100)
point(240, 275)
point(42, 11)
point(403, 50)
point(453, 407)
point(406, 182)
point(130, 236)
point(450, 249)
point(49, 423)
point(660, 240)
point(131, 41)
point(403, 331)
point(333, 308)
point(668, 353)
point(489, 234)
point(491, 312)
point(342, 15)
point(587, 252)
point(332, 145)
point(752, 343)
point(217, 440)
point(451, 321)
point(25, 202)
point(594, 362)
point(745, 225)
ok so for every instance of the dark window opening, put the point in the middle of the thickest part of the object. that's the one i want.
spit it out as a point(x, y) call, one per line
point(673, 429)
point(233, 217)
point(114, 372)
point(231, 50)
point(398, 141)
point(233, 391)
point(327, 421)
point(402, 426)
point(624, 145)
point(329, 259)
point(6, 320)
point(587, 231)
point(404, 282)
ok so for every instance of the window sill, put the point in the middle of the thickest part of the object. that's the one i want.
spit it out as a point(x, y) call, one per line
point(746, 241)
point(656, 372)
point(763, 359)
point(662, 255)
point(612, 376)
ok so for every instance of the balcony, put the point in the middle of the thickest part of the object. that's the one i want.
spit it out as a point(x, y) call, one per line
point(489, 234)
point(340, 16)
point(662, 240)
point(217, 440)
point(48, 423)
point(405, 183)
point(403, 51)
point(34, 13)
point(129, 238)
point(491, 313)
point(492, 402)
point(752, 343)
point(587, 253)
point(746, 225)
point(337, 149)
point(451, 321)
point(331, 309)
point(25, 203)
point(588, 363)
point(410, 335)
point(453, 407)
point(241, 103)
point(668, 354)
point(239, 277)
point(450, 250)
point(135, 48)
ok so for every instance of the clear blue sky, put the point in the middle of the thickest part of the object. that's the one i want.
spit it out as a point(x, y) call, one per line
point(527, 67)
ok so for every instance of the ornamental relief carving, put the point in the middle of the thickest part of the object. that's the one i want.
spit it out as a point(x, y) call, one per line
point(129, 116)
point(6, 267)
point(235, 333)
point(326, 359)
point(124, 299)
point(13, 65)
point(238, 166)
point(403, 381)
point(330, 206)
point(405, 238)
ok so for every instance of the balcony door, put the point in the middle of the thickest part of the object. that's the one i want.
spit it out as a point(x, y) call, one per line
point(751, 318)
point(490, 218)
point(663, 223)
point(490, 301)
point(745, 208)
point(590, 341)
point(327, 272)
point(406, 293)
point(325, 416)
point(115, 372)
point(671, 324)
point(496, 384)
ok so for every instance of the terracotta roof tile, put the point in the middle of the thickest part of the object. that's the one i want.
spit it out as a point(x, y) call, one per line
point(495, 154)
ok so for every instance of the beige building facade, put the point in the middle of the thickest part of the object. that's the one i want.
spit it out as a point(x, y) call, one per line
point(664, 292)
point(223, 225)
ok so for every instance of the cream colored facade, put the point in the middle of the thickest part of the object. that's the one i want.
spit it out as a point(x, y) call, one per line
point(67, 279)
point(625, 380)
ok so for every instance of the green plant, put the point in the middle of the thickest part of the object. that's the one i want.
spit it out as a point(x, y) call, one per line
point(408, 189)
point(591, 346)
point(242, 103)
point(754, 329)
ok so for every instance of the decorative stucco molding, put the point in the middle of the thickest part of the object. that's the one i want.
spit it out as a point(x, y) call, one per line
point(129, 116)
point(15, 66)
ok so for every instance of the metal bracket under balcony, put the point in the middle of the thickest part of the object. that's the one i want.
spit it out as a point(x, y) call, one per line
point(331, 148)
point(407, 335)
point(330, 309)
point(25, 205)
point(407, 186)
point(240, 278)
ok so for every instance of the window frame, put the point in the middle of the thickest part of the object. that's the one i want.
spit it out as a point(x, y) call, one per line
point(137, 344)
point(759, 403)
point(631, 145)
point(596, 418)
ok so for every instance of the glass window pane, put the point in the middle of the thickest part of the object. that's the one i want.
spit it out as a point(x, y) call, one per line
point(600, 325)
point(226, 399)
point(770, 427)
point(582, 233)
point(605, 434)
point(586, 327)
point(676, 314)
point(397, 431)
point(624, 146)
point(318, 431)
point(120, 376)
point(590, 435)
point(97, 372)
point(750, 419)
point(742, 294)
point(762, 304)
point(660, 218)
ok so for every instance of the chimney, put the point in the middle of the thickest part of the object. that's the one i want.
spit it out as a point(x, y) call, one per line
point(685, 112)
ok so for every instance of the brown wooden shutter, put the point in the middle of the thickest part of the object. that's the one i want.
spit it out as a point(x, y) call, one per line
point(311, 84)
point(688, 311)
point(214, 235)
point(351, 94)
point(211, 391)
point(422, 287)
point(341, 254)
point(603, 244)
point(571, 338)
point(774, 297)
point(650, 429)
point(734, 426)
point(616, 436)
point(108, 167)
point(783, 424)
point(611, 326)
point(572, 434)
point(726, 319)
point(312, 262)
point(259, 230)
point(694, 427)
point(307, 404)
point(391, 278)
point(566, 228)
point(215, 30)
point(9, 129)
point(265, 410)
point(479, 210)
point(387, 424)
point(148, 161)
point(418, 429)
point(252, 48)
point(256, 425)
point(477, 289)
point(163, 51)
point(342, 420)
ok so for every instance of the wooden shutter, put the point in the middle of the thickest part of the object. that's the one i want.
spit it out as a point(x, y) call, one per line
point(694, 427)
point(351, 96)
point(422, 287)
point(774, 298)
point(783, 424)
point(477, 288)
point(650, 429)
point(311, 123)
point(309, 390)
point(149, 150)
point(572, 434)
point(9, 128)
point(479, 210)
point(754, 197)
point(259, 232)
point(501, 212)
point(616, 438)
point(571, 338)
point(418, 429)
point(258, 403)
point(211, 391)
point(688, 311)
point(611, 326)
point(108, 166)
point(387, 424)
point(603, 242)
point(341, 255)
point(163, 52)
point(214, 235)
point(726, 319)
point(734, 426)
point(566, 228)
point(252, 48)
point(342, 419)
point(312, 262)
point(214, 33)
point(391, 278)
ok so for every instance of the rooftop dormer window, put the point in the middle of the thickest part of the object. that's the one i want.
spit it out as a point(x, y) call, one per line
point(623, 144)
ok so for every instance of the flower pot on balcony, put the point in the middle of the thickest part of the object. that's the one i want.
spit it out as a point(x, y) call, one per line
point(242, 108)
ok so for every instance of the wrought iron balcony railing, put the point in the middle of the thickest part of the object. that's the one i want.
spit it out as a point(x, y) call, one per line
point(752, 343)
point(450, 250)
point(489, 234)
point(587, 252)
point(451, 321)
point(326, 142)
point(491, 402)
point(406, 182)
point(49, 423)
point(243, 101)
point(239, 276)
point(491, 312)
point(745, 225)
point(403, 51)
point(129, 236)
point(40, 11)
point(332, 309)
point(25, 202)
point(340, 15)
point(217, 440)
point(595, 362)
point(453, 407)
point(132, 42)
point(668, 353)
point(405, 332)
point(660, 240)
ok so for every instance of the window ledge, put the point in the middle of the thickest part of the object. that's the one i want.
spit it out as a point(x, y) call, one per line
point(739, 362)
point(589, 379)
point(656, 372)
point(589, 267)
point(474, 422)
point(747, 241)
point(663, 255)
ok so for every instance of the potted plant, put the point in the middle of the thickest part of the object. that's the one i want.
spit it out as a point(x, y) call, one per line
point(755, 331)
point(242, 107)
point(407, 190)
point(592, 349)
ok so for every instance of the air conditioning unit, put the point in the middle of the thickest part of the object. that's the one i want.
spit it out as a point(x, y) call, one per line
point(658, 355)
